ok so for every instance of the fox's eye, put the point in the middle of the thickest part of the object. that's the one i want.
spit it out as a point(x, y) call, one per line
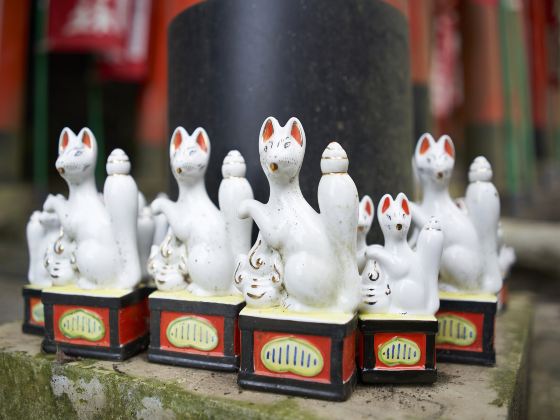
point(389, 217)
point(429, 160)
point(265, 148)
point(77, 153)
point(287, 144)
point(192, 152)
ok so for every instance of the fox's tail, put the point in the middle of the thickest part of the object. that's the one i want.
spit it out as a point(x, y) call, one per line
point(120, 195)
point(234, 189)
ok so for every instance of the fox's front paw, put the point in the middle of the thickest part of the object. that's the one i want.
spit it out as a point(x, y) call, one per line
point(157, 206)
point(52, 202)
point(373, 251)
point(48, 219)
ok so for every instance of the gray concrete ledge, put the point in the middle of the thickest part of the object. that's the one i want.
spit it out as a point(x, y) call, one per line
point(35, 385)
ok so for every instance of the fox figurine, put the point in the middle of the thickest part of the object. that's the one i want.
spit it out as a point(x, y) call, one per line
point(470, 259)
point(212, 237)
point(398, 279)
point(307, 259)
point(103, 230)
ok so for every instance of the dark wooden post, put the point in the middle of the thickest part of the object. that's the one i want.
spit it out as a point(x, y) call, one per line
point(341, 67)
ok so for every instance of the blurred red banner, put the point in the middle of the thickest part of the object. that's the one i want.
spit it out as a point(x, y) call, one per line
point(88, 25)
point(130, 62)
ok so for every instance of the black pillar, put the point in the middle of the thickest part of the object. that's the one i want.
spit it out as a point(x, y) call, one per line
point(341, 67)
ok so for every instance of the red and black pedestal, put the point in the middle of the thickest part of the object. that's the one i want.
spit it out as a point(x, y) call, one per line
point(397, 349)
point(466, 328)
point(192, 331)
point(309, 355)
point(33, 313)
point(103, 324)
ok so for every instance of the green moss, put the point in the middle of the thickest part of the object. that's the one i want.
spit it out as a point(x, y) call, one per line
point(516, 327)
point(27, 390)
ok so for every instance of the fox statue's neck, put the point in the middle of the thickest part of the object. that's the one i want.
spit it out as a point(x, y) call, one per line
point(436, 194)
point(285, 191)
point(192, 190)
point(395, 245)
point(81, 189)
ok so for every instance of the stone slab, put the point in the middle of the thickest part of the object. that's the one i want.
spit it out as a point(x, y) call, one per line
point(35, 385)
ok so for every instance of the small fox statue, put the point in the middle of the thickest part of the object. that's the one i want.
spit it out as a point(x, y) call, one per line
point(209, 239)
point(396, 278)
point(302, 260)
point(470, 259)
point(101, 230)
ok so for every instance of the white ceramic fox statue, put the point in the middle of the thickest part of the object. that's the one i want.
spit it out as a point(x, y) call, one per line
point(103, 230)
point(470, 259)
point(398, 279)
point(212, 237)
point(302, 260)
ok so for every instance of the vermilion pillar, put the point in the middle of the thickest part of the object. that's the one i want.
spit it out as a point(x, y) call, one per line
point(484, 108)
point(14, 30)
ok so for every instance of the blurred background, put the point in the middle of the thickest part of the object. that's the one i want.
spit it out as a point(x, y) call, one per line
point(486, 72)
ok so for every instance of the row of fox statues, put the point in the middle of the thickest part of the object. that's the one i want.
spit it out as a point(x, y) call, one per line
point(302, 260)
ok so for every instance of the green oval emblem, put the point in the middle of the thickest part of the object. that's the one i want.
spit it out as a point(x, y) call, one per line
point(290, 354)
point(399, 351)
point(38, 312)
point(81, 323)
point(190, 331)
point(455, 330)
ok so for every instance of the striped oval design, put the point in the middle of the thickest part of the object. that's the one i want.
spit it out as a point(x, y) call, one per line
point(38, 312)
point(456, 330)
point(399, 351)
point(294, 355)
point(81, 323)
point(190, 331)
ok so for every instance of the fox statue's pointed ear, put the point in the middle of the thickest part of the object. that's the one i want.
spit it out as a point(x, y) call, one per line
point(448, 145)
point(386, 201)
point(64, 139)
point(424, 143)
point(367, 205)
point(404, 203)
point(296, 131)
point(177, 139)
point(202, 139)
point(267, 129)
point(87, 138)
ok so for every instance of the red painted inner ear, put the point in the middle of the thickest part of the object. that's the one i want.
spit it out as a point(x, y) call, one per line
point(425, 145)
point(177, 140)
point(268, 131)
point(65, 140)
point(404, 206)
point(386, 204)
point(86, 139)
point(296, 133)
point(368, 207)
point(201, 141)
point(449, 148)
